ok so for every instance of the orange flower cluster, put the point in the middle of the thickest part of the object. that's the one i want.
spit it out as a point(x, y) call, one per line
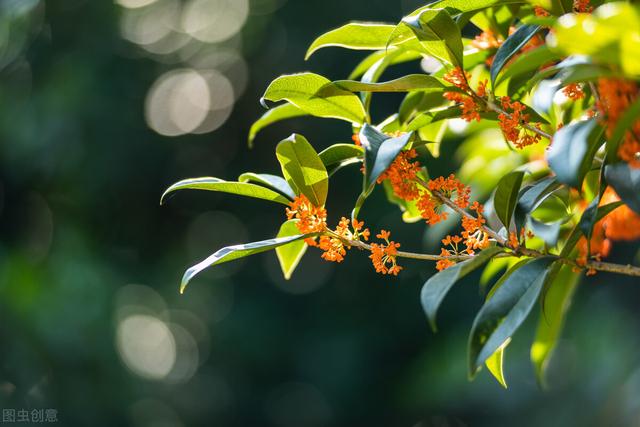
point(430, 207)
point(311, 219)
point(402, 175)
point(467, 100)
point(511, 123)
point(616, 95)
point(540, 12)
point(486, 40)
point(582, 6)
point(335, 248)
point(473, 236)
point(573, 91)
point(383, 256)
point(620, 224)
point(356, 139)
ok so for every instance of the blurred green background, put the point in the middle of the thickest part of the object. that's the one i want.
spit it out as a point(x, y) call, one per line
point(102, 106)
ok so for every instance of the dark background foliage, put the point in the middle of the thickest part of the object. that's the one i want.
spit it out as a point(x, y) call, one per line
point(84, 246)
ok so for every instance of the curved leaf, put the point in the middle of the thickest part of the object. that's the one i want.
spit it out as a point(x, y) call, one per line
point(506, 196)
point(380, 151)
point(231, 253)
point(527, 62)
point(273, 182)
point(303, 169)
point(406, 83)
point(438, 34)
point(626, 181)
point(437, 287)
point(273, 115)
point(510, 47)
point(501, 315)
point(366, 63)
point(339, 155)
point(624, 123)
point(290, 254)
point(571, 155)
point(355, 35)
point(457, 7)
point(300, 90)
point(215, 184)
point(433, 116)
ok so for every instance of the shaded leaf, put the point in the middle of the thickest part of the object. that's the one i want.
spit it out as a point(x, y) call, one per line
point(506, 196)
point(339, 155)
point(303, 169)
point(437, 287)
point(527, 62)
point(300, 90)
point(273, 115)
point(510, 47)
point(380, 151)
point(273, 182)
point(626, 181)
point(501, 315)
point(234, 252)
point(215, 184)
point(290, 254)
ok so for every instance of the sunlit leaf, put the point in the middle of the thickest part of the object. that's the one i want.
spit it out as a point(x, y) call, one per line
point(505, 311)
point(301, 89)
point(355, 35)
point(495, 363)
point(215, 184)
point(438, 34)
point(234, 252)
point(339, 155)
point(437, 287)
point(303, 169)
point(273, 182)
point(406, 83)
point(274, 115)
point(371, 59)
point(289, 255)
point(433, 116)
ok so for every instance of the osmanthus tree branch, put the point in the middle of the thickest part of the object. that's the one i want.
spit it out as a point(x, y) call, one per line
point(490, 105)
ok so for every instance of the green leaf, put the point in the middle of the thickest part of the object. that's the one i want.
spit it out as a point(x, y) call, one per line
point(339, 155)
point(433, 116)
point(531, 197)
point(437, 287)
point(626, 181)
point(300, 90)
point(561, 286)
point(215, 184)
point(234, 252)
point(495, 362)
point(438, 34)
point(273, 182)
point(527, 62)
point(624, 123)
point(571, 155)
point(506, 196)
point(576, 233)
point(303, 169)
point(510, 47)
point(371, 59)
point(410, 82)
point(501, 315)
point(457, 7)
point(289, 255)
point(275, 114)
point(380, 151)
point(355, 35)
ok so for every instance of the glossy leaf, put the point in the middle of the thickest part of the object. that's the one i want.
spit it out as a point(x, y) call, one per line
point(355, 35)
point(274, 115)
point(234, 252)
point(576, 233)
point(571, 154)
point(626, 181)
point(301, 89)
point(501, 315)
point(433, 116)
point(561, 286)
point(406, 83)
point(527, 62)
point(624, 123)
point(380, 151)
point(371, 59)
point(339, 155)
point(303, 169)
point(289, 255)
point(510, 47)
point(438, 35)
point(274, 182)
point(457, 7)
point(495, 364)
point(215, 184)
point(506, 196)
point(437, 287)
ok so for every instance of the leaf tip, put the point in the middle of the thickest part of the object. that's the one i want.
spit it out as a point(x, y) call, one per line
point(263, 102)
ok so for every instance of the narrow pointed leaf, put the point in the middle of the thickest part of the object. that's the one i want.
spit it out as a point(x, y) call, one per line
point(303, 169)
point(339, 155)
point(380, 151)
point(626, 181)
point(406, 83)
point(503, 314)
point(274, 182)
point(510, 47)
point(234, 252)
point(355, 35)
point(274, 115)
point(437, 287)
point(300, 90)
point(215, 184)
point(290, 254)
point(495, 364)
point(506, 196)
point(438, 34)
point(365, 64)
